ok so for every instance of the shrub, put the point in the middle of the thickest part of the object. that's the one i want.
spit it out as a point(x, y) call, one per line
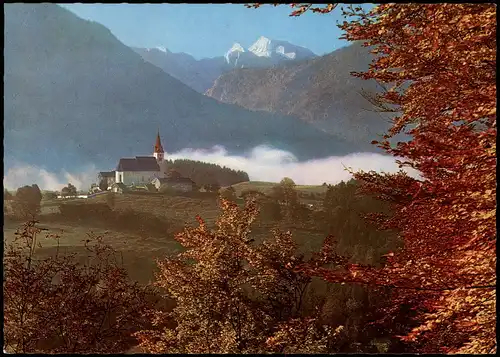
point(49, 195)
point(27, 201)
point(69, 190)
point(54, 305)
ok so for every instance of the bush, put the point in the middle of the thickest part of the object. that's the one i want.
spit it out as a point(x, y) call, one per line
point(55, 305)
point(69, 190)
point(49, 195)
point(27, 201)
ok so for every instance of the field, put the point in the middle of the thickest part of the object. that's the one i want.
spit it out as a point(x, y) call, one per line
point(266, 188)
point(145, 225)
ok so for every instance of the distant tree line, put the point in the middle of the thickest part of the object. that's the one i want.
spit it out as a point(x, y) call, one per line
point(204, 173)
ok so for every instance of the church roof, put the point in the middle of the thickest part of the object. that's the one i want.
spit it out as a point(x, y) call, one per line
point(107, 173)
point(139, 163)
point(158, 147)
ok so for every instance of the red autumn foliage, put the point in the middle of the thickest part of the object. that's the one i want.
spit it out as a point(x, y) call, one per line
point(236, 296)
point(55, 305)
point(440, 60)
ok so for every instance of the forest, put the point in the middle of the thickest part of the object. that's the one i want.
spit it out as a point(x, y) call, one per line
point(403, 265)
point(204, 173)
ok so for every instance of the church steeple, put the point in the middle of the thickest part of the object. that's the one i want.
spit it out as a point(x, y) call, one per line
point(158, 149)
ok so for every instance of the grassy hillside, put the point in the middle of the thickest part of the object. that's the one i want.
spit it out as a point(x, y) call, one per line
point(142, 227)
point(266, 187)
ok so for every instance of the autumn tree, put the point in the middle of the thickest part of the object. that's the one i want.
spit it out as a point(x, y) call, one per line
point(27, 201)
point(235, 296)
point(439, 64)
point(53, 304)
point(69, 191)
point(286, 194)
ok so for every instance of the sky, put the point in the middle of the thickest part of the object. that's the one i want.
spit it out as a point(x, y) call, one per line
point(210, 30)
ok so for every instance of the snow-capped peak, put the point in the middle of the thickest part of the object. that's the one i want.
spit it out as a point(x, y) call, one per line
point(234, 52)
point(161, 48)
point(281, 51)
point(237, 47)
point(266, 49)
point(262, 47)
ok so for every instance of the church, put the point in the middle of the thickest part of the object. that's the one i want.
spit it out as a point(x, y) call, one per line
point(140, 170)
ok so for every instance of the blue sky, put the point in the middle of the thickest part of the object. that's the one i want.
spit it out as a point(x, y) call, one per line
point(209, 30)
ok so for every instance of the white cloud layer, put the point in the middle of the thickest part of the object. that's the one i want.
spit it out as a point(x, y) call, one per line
point(22, 174)
point(262, 164)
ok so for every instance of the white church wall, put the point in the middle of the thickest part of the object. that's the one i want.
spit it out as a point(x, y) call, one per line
point(136, 177)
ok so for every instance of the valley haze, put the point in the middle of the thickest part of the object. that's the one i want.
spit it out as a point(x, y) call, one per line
point(263, 163)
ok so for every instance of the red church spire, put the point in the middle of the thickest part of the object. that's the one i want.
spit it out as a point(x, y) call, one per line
point(158, 147)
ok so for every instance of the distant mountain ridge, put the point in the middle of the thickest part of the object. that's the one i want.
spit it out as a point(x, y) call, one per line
point(320, 91)
point(74, 94)
point(277, 51)
point(201, 74)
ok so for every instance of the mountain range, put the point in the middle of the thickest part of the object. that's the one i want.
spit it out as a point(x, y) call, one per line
point(320, 91)
point(281, 78)
point(201, 74)
point(74, 94)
